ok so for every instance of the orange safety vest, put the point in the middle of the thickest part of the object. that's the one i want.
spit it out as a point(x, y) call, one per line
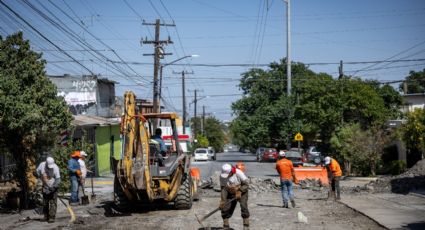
point(335, 168)
point(285, 168)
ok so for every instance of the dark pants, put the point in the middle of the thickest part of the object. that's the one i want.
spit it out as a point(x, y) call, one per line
point(229, 208)
point(335, 186)
point(49, 205)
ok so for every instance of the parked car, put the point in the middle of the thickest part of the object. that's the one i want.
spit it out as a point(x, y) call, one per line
point(201, 154)
point(259, 152)
point(269, 154)
point(212, 154)
point(313, 155)
point(294, 156)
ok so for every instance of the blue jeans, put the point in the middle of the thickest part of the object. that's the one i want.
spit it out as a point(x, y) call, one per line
point(287, 192)
point(74, 189)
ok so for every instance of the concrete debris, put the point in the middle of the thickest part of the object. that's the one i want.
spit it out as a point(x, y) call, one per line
point(412, 179)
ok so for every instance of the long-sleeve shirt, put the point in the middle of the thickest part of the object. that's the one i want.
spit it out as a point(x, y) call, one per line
point(73, 166)
point(50, 177)
point(83, 168)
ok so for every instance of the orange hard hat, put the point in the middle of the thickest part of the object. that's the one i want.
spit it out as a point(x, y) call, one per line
point(75, 154)
point(240, 166)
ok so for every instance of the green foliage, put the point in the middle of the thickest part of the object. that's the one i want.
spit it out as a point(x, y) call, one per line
point(360, 149)
point(414, 130)
point(397, 167)
point(32, 115)
point(415, 82)
point(202, 142)
point(319, 106)
point(214, 134)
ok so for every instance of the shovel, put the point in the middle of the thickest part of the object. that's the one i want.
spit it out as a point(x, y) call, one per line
point(210, 214)
point(84, 198)
point(93, 196)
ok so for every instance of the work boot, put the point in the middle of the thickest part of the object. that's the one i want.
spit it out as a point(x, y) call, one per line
point(226, 225)
point(285, 205)
point(293, 203)
point(245, 224)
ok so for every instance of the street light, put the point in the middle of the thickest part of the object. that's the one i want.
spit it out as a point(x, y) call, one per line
point(166, 64)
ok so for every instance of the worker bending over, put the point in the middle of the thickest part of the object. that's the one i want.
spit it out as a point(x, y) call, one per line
point(334, 174)
point(234, 188)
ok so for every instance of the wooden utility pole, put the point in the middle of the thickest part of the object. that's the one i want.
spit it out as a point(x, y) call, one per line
point(158, 54)
point(184, 98)
point(203, 119)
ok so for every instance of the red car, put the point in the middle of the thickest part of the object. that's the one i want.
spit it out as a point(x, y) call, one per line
point(269, 154)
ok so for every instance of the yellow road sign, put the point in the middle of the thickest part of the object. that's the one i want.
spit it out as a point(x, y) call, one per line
point(298, 137)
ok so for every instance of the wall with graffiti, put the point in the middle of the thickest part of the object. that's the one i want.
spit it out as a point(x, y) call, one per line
point(87, 95)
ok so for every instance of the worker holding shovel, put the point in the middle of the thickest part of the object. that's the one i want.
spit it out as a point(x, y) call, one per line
point(49, 174)
point(83, 168)
point(334, 174)
point(234, 188)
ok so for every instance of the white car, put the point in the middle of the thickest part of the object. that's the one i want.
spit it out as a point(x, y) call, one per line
point(201, 154)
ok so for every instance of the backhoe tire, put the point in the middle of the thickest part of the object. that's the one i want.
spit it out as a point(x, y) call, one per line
point(184, 194)
point(120, 200)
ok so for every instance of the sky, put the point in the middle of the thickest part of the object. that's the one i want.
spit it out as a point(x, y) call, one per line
point(228, 37)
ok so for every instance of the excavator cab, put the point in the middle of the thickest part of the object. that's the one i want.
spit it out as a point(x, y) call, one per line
point(144, 173)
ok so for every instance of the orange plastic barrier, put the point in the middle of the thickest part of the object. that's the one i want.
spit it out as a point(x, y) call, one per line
point(317, 172)
point(195, 173)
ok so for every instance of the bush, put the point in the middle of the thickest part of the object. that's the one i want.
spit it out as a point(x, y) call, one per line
point(397, 167)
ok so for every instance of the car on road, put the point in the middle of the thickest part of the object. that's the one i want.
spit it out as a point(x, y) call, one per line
point(269, 154)
point(295, 156)
point(212, 154)
point(313, 155)
point(201, 154)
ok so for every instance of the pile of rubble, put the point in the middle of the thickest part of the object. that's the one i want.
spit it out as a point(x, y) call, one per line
point(412, 179)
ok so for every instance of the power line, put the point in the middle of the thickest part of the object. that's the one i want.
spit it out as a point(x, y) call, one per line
point(39, 33)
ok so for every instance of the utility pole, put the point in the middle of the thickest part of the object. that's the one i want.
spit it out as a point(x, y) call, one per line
point(203, 119)
point(184, 97)
point(340, 69)
point(158, 54)
point(194, 115)
point(288, 45)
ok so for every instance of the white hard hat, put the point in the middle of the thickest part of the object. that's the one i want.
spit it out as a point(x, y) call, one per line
point(225, 170)
point(282, 153)
point(50, 162)
point(82, 153)
point(327, 160)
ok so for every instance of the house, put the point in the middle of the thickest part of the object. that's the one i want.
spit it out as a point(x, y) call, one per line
point(413, 101)
point(87, 95)
point(104, 134)
point(91, 100)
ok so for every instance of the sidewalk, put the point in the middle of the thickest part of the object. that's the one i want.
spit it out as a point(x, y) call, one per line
point(391, 210)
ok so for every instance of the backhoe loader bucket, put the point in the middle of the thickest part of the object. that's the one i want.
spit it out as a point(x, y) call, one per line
point(318, 172)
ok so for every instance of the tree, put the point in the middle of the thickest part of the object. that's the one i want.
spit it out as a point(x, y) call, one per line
point(214, 133)
point(414, 134)
point(32, 114)
point(414, 83)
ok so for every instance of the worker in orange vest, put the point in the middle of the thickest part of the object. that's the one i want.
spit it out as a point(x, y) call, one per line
point(334, 174)
point(285, 168)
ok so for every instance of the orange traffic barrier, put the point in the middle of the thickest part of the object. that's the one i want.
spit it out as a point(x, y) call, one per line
point(195, 173)
point(240, 166)
point(317, 172)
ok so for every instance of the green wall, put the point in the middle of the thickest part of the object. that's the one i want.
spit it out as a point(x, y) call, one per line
point(104, 147)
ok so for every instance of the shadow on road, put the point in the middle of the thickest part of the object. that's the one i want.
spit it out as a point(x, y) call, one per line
point(269, 205)
point(415, 226)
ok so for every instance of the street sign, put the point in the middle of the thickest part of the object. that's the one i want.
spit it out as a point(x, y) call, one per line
point(299, 137)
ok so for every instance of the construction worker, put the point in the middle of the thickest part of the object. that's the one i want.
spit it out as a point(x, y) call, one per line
point(334, 174)
point(234, 188)
point(285, 168)
point(49, 174)
point(158, 138)
point(74, 175)
point(83, 168)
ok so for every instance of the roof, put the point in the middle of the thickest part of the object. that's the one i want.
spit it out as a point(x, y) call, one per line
point(84, 120)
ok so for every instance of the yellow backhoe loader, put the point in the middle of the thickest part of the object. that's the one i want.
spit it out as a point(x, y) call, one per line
point(143, 174)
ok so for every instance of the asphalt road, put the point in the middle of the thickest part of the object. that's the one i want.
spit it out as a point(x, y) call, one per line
point(253, 168)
